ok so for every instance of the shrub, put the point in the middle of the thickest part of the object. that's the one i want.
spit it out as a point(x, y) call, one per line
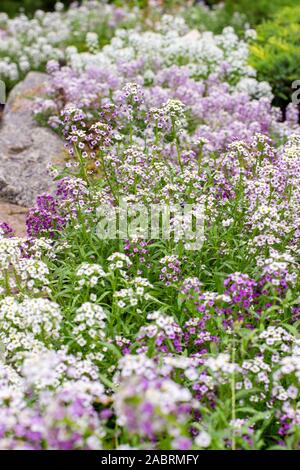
point(275, 54)
point(259, 10)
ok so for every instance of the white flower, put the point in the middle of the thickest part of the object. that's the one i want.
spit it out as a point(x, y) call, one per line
point(203, 439)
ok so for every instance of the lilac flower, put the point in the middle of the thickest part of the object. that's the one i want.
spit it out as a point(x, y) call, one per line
point(44, 217)
point(5, 230)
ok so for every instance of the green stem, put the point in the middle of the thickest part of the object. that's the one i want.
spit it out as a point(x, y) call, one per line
point(233, 397)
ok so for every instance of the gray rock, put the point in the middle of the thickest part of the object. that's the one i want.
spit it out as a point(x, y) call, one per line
point(25, 147)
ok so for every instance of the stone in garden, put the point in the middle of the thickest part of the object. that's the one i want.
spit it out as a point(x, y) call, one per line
point(26, 147)
point(15, 216)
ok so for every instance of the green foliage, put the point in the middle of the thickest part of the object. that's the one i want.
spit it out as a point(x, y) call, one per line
point(13, 7)
point(255, 11)
point(275, 53)
point(215, 19)
point(259, 10)
point(215, 16)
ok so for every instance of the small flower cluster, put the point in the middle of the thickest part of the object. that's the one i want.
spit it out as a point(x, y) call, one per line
point(150, 406)
point(20, 273)
point(171, 269)
point(89, 325)
point(132, 295)
point(59, 418)
point(39, 316)
point(5, 230)
point(28, 43)
point(119, 262)
point(89, 275)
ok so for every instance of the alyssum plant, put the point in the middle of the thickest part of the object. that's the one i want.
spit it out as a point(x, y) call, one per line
point(143, 343)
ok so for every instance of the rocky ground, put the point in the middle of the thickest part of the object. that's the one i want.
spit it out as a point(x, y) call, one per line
point(25, 150)
point(15, 216)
